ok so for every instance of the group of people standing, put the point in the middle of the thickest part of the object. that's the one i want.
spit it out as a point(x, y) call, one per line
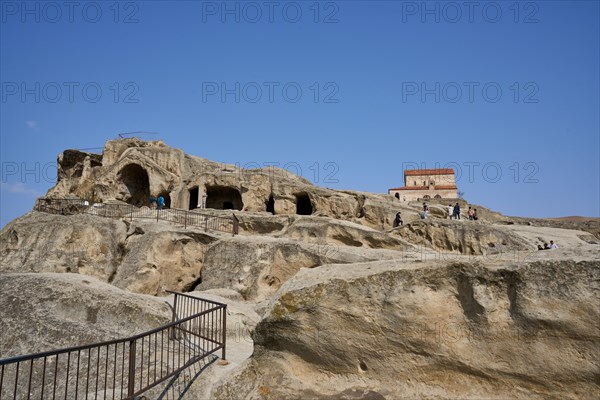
point(454, 212)
point(159, 203)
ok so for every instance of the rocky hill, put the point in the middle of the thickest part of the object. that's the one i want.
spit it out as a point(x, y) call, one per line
point(327, 299)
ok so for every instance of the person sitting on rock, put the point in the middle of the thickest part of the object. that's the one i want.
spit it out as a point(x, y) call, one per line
point(397, 220)
point(553, 245)
point(540, 247)
point(470, 214)
point(546, 247)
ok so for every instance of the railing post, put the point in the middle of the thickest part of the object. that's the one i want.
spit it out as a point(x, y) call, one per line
point(157, 211)
point(185, 217)
point(205, 223)
point(131, 376)
point(224, 333)
point(174, 317)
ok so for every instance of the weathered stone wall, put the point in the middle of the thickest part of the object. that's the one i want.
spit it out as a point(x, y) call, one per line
point(411, 195)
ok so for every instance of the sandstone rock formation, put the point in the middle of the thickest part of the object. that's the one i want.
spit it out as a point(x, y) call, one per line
point(46, 311)
point(141, 256)
point(326, 299)
point(473, 237)
point(379, 331)
point(131, 170)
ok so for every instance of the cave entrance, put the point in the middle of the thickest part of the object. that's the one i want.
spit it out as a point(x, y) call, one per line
point(303, 204)
point(223, 198)
point(193, 198)
point(271, 205)
point(167, 198)
point(135, 179)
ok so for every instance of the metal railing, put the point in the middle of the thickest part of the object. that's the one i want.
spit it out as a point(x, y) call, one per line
point(111, 210)
point(122, 368)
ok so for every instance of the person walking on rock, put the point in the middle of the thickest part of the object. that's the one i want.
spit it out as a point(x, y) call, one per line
point(450, 211)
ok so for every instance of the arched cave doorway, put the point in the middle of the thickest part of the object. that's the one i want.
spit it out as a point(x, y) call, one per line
point(271, 204)
point(437, 196)
point(135, 178)
point(426, 197)
point(193, 198)
point(303, 204)
point(397, 195)
point(167, 198)
point(223, 198)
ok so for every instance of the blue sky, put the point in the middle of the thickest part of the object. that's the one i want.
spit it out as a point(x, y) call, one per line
point(350, 92)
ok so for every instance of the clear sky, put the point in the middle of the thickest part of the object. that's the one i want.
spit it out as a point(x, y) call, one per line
point(349, 92)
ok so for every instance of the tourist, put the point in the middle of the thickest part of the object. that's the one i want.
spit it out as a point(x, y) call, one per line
point(397, 220)
point(450, 211)
point(152, 201)
point(425, 212)
point(553, 245)
point(470, 214)
point(475, 214)
point(546, 247)
point(540, 247)
point(161, 202)
point(456, 211)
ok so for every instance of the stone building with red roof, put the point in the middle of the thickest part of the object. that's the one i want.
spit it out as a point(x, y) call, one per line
point(427, 184)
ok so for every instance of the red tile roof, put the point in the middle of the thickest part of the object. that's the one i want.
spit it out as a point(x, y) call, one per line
point(438, 171)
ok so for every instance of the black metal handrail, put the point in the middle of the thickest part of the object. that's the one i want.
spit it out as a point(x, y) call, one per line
point(121, 368)
point(113, 210)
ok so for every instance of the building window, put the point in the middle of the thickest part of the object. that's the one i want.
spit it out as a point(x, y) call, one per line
point(415, 182)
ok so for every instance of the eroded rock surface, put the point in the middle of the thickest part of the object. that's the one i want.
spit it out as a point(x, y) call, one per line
point(340, 304)
point(41, 242)
point(468, 237)
point(433, 331)
point(48, 311)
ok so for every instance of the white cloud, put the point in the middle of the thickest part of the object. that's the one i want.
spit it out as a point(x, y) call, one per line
point(18, 188)
point(31, 124)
